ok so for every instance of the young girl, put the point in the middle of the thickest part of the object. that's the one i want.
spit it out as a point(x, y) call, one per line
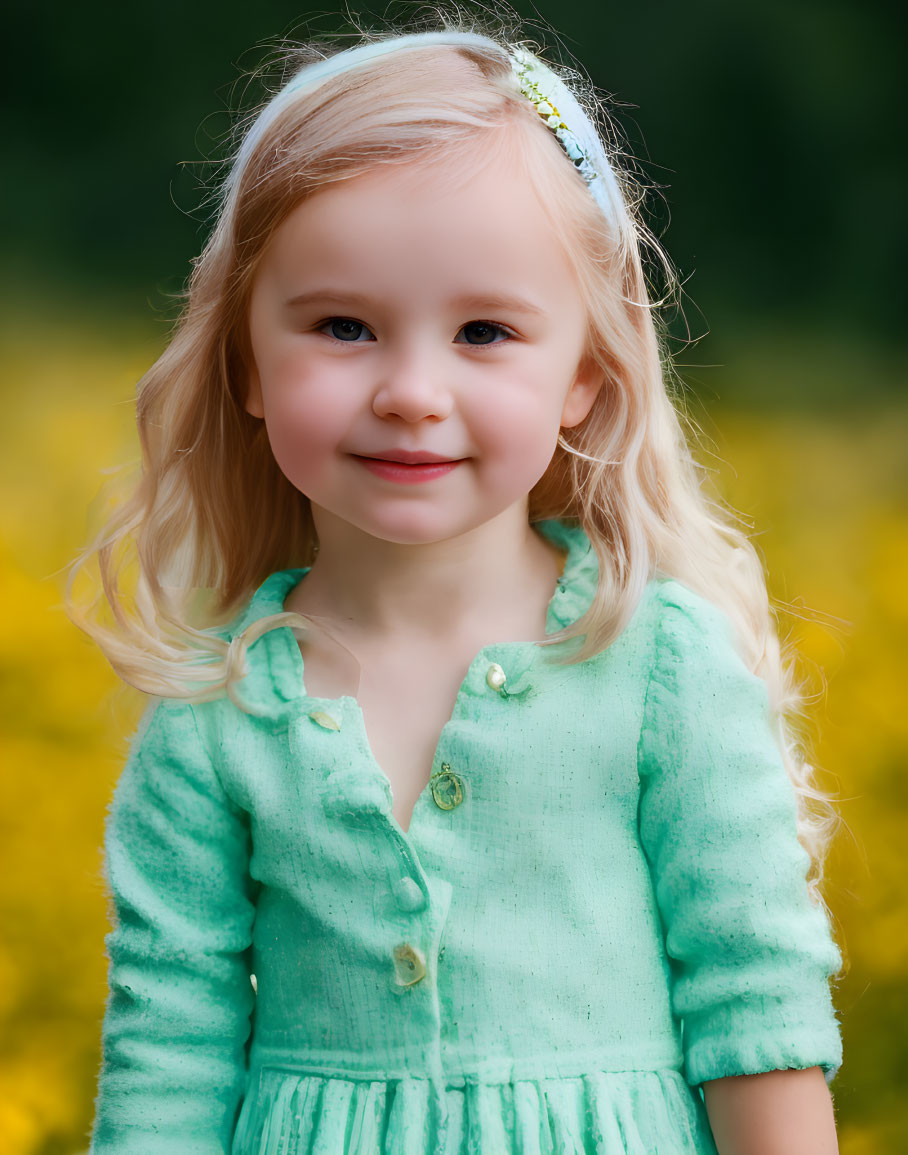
point(464, 816)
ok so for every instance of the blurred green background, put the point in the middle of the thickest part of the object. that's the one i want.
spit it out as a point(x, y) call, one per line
point(769, 134)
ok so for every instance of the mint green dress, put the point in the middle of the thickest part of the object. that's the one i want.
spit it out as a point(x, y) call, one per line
point(600, 904)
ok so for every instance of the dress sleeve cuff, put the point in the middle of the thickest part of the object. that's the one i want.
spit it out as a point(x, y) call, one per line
point(760, 1033)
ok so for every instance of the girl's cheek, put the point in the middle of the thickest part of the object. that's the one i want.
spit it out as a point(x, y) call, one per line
point(296, 460)
point(523, 415)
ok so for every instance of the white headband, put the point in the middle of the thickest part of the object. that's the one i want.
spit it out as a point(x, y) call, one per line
point(553, 100)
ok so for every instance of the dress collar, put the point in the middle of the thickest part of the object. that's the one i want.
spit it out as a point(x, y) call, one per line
point(273, 688)
point(572, 597)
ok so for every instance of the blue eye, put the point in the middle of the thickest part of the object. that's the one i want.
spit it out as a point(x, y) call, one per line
point(352, 332)
point(485, 332)
point(344, 329)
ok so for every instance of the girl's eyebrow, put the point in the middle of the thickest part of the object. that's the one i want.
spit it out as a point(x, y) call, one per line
point(495, 301)
point(478, 301)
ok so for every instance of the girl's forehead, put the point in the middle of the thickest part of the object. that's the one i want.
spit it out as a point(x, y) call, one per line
point(497, 156)
point(412, 215)
point(486, 188)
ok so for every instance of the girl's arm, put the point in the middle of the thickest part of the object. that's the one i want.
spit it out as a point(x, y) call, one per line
point(178, 1011)
point(749, 953)
point(774, 1113)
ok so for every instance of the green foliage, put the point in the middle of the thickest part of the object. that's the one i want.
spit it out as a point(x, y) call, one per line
point(768, 132)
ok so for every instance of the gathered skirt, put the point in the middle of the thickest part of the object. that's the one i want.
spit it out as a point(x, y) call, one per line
point(287, 1112)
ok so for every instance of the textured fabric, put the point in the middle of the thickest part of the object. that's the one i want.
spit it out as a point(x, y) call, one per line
point(601, 884)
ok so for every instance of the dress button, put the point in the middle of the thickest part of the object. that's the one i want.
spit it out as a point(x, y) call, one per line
point(409, 894)
point(323, 719)
point(409, 964)
point(496, 677)
point(447, 788)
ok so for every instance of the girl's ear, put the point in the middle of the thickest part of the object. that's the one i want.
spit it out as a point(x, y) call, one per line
point(253, 403)
point(583, 392)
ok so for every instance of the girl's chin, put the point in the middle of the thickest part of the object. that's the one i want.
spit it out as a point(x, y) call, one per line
point(409, 527)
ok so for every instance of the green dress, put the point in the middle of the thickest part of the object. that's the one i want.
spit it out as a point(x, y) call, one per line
point(600, 904)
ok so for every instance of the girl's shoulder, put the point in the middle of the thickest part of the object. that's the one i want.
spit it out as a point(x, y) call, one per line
point(668, 603)
point(690, 641)
point(682, 611)
point(697, 664)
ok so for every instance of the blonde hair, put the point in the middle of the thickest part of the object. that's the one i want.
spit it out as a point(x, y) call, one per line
point(213, 512)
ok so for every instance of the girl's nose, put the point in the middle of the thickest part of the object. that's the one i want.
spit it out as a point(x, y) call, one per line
point(412, 387)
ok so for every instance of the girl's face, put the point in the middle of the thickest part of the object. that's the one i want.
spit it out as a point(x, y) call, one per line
point(417, 348)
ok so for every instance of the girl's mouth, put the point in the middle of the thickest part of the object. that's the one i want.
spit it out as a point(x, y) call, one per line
point(407, 474)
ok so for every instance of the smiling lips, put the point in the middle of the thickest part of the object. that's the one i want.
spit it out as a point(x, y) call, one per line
point(408, 468)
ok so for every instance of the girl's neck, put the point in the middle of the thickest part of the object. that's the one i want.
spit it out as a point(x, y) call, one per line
point(481, 580)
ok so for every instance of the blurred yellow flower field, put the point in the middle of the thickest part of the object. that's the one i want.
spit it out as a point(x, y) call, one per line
point(828, 500)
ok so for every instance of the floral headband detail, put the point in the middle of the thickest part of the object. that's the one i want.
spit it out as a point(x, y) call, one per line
point(551, 97)
point(556, 104)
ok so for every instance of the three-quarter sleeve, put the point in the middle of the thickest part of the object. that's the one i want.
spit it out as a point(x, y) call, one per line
point(750, 953)
point(180, 997)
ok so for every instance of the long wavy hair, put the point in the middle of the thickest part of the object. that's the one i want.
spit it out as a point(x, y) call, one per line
point(212, 515)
